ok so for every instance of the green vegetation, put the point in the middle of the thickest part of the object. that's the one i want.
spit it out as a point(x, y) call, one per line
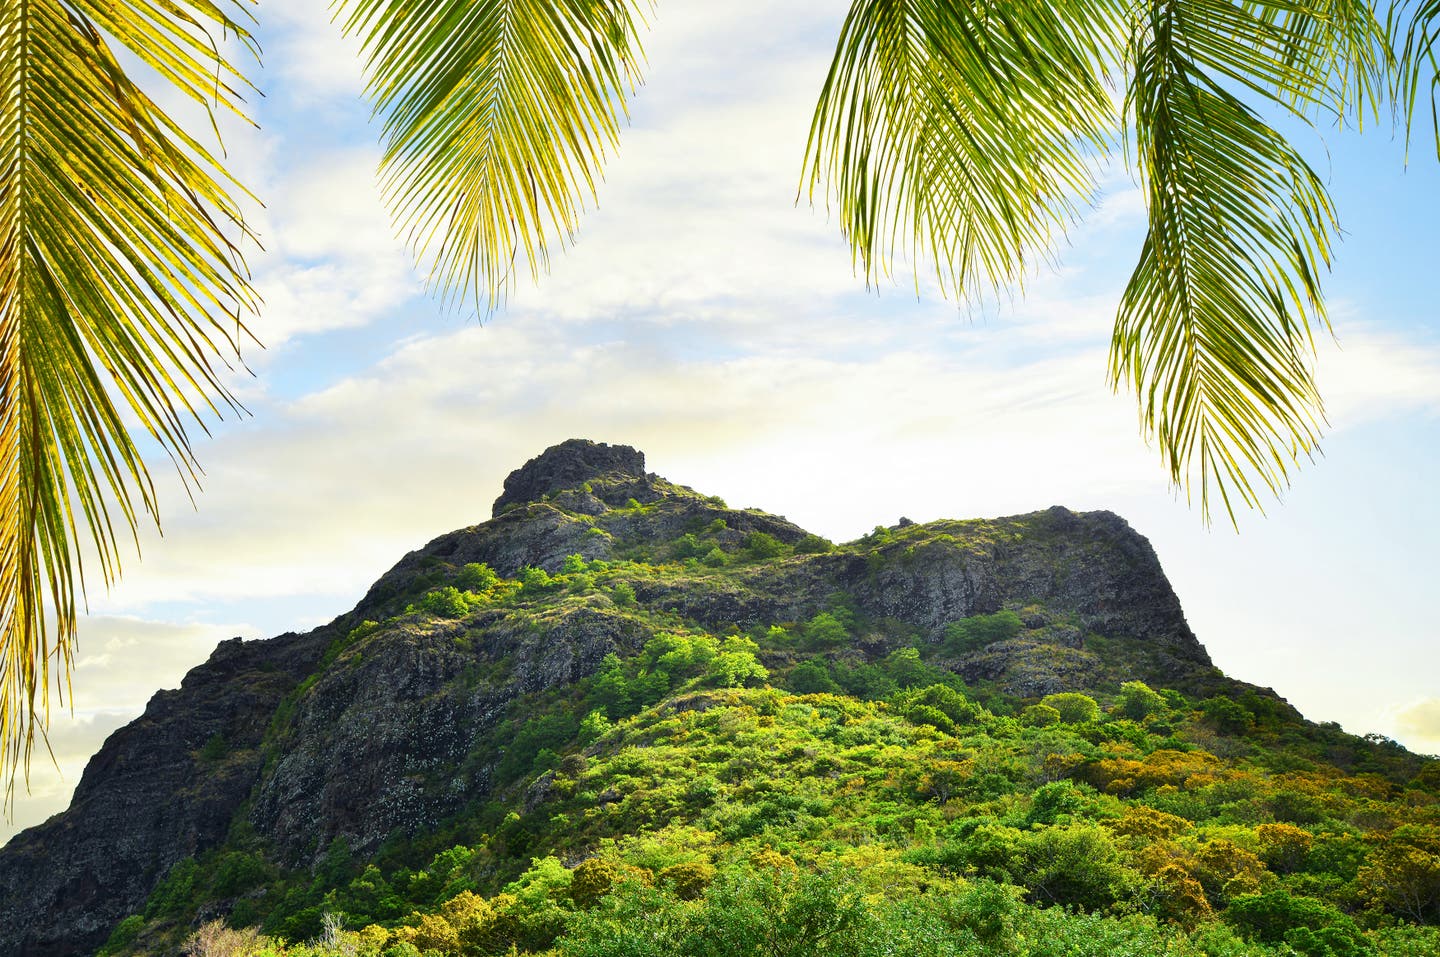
point(977, 631)
point(721, 813)
point(827, 785)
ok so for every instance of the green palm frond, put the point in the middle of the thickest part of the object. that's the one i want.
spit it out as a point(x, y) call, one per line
point(966, 132)
point(962, 132)
point(1415, 36)
point(1309, 56)
point(498, 114)
point(120, 288)
point(1215, 328)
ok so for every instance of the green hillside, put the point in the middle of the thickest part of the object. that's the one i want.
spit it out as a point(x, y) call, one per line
point(622, 719)
point(782, 792)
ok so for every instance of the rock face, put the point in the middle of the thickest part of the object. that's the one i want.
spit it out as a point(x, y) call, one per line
point(382, 722)
point(566, 466)
point(163, 788)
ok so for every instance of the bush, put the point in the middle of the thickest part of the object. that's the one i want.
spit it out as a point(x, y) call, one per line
point(735, 665)
point(1283, 847)
point(477, 577)
point(434, 932)
point(1403, 878)
point(214, 939)
point(688, 546)
point(813, 545)
point(535, 581)
point(1040, 716)
point(1310, 926)
point(123, 935)
point(689, 879)
point(977, 631)
point(825, 631)
point(988, 910)
point(1074, 707)
point(446, 602)
point(1137, 701)
point(926, 714)
point(905, 666)
point(1052, 800)
point(1226, 715)
point(1076, 865)
point(943, 698)
point(592, 880)
point(762, 545)
point(812, 677)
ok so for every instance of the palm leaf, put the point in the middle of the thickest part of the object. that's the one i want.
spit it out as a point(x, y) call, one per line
point(962, 132)
point(1415, 32)
point(498, 114)
point(120, 286)
point(966, 133)
point(1215, 327)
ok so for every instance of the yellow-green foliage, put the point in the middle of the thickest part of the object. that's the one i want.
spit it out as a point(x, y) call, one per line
point(694, 805)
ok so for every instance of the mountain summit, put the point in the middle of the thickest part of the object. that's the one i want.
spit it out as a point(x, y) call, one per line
point(461, 678)
point(569, 465)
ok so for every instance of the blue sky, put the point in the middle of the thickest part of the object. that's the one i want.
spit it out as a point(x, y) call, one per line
point(706, 319)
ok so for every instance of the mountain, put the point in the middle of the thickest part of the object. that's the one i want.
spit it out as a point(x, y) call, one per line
point(485, 693)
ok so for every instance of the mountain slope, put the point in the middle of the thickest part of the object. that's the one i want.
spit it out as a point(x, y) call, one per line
point(462, 683)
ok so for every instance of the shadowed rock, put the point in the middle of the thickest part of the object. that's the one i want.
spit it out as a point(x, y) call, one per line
point(567, 465)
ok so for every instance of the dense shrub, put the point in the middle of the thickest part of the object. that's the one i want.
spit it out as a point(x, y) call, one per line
point(763, 545)
point(825, 631)
point(1310, 926)
point(1138, 701)
point(1074, 707)
point(977, 631)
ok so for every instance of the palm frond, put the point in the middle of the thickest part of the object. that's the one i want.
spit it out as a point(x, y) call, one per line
point(1415, 35)
point(962, 132)
point(120, 288)
point(1215, 327)
point(1307, 55)
point(498, 115)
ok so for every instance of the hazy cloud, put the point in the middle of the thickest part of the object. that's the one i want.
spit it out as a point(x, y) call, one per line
point(1420, 723)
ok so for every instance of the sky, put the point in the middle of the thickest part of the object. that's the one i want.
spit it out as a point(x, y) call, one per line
point(706, 318)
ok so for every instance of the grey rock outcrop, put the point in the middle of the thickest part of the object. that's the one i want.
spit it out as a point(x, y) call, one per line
point(153, 795)
point(568, 466)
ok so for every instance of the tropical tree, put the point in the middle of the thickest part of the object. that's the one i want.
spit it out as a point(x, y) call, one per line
point(966, 134)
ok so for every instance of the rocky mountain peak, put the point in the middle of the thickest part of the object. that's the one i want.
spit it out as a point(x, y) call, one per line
point(398, 716)
point(567, 465)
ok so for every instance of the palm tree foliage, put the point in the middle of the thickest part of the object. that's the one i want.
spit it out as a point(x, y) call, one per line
point(965, 132)
point(120, 285)
point(498, 114)
point(1415, 33)
point(969, 133)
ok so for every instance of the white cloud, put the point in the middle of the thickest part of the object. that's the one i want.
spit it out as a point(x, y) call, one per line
point(312, 64)
point(333, 261)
